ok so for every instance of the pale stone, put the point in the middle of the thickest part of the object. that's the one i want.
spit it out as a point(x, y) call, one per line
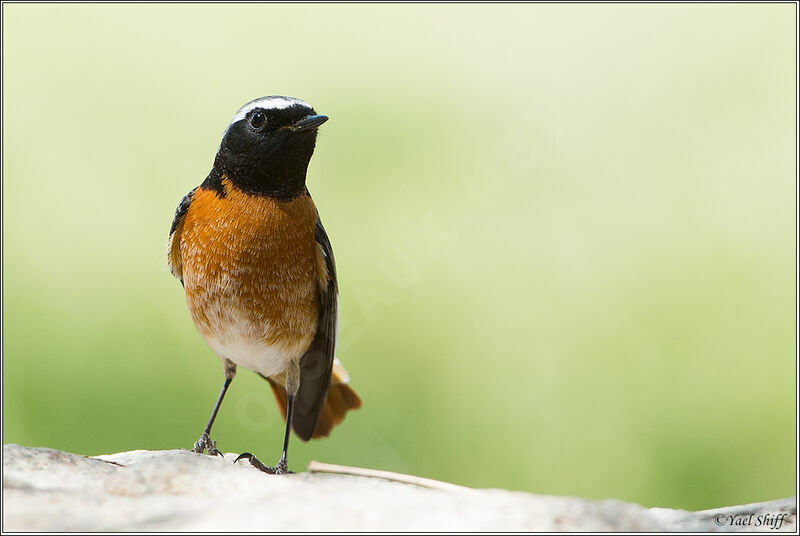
point(176, 490)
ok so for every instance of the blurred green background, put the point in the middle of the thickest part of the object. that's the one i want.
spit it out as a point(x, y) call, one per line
point(565, 236)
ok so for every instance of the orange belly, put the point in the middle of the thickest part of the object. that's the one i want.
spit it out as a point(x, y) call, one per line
point(249, 270)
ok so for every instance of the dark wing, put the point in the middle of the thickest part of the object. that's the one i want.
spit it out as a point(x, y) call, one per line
point(317, 363)
point(174, 244)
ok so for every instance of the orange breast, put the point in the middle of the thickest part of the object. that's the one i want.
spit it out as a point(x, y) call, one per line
point(249, 270)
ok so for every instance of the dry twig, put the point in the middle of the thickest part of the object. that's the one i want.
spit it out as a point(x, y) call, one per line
point(319, 467)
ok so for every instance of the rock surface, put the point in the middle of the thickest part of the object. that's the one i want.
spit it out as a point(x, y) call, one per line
point(176, 490)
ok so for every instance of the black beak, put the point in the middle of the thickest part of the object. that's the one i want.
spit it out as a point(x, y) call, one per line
point(308, 122)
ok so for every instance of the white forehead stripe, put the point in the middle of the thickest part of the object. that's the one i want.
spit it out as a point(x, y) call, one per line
point(269, 103)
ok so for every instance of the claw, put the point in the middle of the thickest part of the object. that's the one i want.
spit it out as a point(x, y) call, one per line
point(205, 443)
point(255, 462)
point(279, 469)
point(243, 455)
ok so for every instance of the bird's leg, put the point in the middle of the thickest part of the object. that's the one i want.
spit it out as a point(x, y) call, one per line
point(205, 443)
point(281, 468)
point(292, 386)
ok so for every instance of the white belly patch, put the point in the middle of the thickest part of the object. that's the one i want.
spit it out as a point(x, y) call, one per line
point(240, 343)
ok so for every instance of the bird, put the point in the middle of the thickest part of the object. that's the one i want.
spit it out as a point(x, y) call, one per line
point(258, 270)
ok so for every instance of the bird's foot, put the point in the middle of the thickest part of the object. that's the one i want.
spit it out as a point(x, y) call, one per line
point(280, 469)
point(205, 443)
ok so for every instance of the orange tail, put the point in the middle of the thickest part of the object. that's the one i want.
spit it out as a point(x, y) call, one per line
point(341, 398)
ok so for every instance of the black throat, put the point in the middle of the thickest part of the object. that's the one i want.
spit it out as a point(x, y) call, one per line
point(278, 172)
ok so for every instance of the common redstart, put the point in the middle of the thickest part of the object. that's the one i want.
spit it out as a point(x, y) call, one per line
point(258, 270)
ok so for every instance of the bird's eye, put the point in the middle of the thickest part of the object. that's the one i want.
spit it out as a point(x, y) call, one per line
point(257, 119)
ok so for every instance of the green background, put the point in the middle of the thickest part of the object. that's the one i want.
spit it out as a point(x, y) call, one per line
point(565, 236)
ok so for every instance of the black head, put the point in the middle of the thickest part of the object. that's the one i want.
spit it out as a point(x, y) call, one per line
point(266, 148)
